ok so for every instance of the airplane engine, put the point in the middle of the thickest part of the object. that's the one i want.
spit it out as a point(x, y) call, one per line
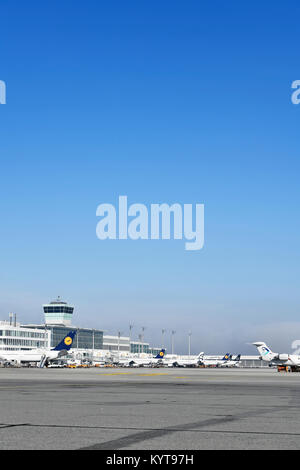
point(283, 357)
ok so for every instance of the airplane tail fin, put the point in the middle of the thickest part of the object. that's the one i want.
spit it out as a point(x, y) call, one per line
point(226, 357)
point(264, 351)
point(66, 342)
point(238, 358)
point(200, 356)
point(161, 354)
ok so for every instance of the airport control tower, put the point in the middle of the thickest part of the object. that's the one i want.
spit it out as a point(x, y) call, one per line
point(58, 313)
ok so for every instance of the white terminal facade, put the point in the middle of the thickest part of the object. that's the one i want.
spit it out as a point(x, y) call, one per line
point(14, 337)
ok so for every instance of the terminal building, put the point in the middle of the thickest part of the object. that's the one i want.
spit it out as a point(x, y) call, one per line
point(138, 347)
point(14, 337)
point(116, 343)
point(58, 322)
point(89, 342)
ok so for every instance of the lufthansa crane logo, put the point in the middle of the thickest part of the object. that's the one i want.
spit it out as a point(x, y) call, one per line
point(161, 354)
point(68, 340)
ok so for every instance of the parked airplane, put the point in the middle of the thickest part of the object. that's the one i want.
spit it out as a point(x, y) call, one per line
point(232, 362)
point(215, 362)
point(185, 362)
point(275, 358)
point(142, 361)
point(42, 356)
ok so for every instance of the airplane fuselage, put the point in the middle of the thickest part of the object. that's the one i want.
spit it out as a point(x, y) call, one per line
point(28, 356)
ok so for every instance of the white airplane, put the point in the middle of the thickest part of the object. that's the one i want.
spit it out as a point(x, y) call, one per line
point(142, 361)
point(42, 356)
point(215, 362)
point(185, 362)
point(232, 362)
point(277, 359)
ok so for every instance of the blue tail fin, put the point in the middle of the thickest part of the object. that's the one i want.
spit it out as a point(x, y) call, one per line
point(238, 358)
point(66, 343)
point(160, 355)
point(226, 357)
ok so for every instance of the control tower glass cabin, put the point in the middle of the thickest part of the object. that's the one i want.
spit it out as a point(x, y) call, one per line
point(58, 313)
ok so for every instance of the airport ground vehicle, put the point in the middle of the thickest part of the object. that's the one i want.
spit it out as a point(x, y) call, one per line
point(282, 369)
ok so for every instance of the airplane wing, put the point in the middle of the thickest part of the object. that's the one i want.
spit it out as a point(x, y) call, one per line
point(62, 353)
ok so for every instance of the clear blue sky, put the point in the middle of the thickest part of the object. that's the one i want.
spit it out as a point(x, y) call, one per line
point(162, 101)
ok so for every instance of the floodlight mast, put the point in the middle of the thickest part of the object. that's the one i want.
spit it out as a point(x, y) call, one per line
point(190, 334)
point(172, 340)
point(143, 329)
point(162, 338)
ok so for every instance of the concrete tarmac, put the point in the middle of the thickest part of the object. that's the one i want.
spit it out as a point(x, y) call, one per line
point(156, 409)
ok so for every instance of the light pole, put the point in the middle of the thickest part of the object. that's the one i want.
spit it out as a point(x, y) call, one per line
point(173, 333)
point(143, 329)
point(162, 338)
point(130, 329)
point(93, 346)
point(190, 334)
point(119, 335)
point(140, 342)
